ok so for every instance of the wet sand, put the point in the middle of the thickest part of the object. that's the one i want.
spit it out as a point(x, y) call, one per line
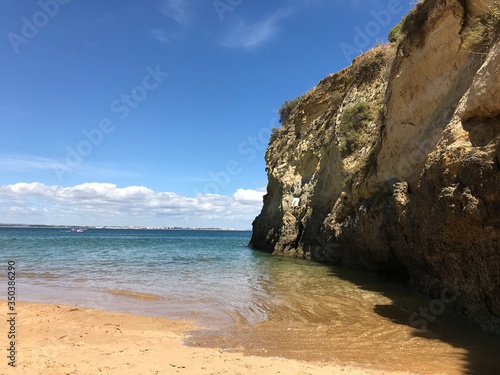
point(57, 339)
point(345, 318)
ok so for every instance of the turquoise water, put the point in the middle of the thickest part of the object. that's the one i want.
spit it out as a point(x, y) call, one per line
point(168, 273)
point(249, 300)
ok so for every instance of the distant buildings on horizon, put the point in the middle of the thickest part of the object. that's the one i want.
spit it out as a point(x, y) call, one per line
point(128, 227)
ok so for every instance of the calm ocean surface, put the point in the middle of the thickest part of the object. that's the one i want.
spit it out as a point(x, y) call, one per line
point(165, 273)
point(247, 300)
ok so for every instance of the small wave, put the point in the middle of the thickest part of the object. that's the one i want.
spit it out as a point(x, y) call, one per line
point(136, 295)
point(37, 275)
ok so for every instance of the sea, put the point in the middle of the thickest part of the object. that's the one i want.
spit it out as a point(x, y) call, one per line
point(246, 300)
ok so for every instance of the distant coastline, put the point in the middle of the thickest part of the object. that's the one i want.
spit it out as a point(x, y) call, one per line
point(115, 227)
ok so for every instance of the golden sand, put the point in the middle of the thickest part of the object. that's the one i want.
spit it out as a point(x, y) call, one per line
point(62, 340)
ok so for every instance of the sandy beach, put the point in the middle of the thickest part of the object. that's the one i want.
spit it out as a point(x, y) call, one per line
point(65, 340)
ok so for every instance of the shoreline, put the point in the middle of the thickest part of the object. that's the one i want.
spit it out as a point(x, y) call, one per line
point(60, 339)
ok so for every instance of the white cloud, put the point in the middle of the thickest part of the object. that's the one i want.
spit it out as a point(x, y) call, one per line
point(160, 35)
point(106, 204)
point(249, 196)
point(23, 163)
point(178, 11)
point(245, 35)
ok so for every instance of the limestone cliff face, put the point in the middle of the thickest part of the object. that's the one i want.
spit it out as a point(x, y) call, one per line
point(393, 164)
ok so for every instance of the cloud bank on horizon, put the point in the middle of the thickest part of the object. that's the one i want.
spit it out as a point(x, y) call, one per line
point(101, 204)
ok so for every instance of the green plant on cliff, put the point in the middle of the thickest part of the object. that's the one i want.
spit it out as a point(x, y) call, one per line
point(409, 23)
point(287, 108)
point(485, 30)
point(369, 67)
point(395, 34)
point(352, 130)
point(414, 22)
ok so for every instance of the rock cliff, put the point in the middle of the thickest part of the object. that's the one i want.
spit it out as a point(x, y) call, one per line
point(393, 164)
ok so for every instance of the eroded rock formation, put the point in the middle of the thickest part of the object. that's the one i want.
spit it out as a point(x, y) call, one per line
point(393, 164)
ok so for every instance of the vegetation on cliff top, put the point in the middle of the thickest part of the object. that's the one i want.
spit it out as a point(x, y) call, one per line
point(369, 67)
point(411, 24)
point(364, 71)
point(396, 34)
point(287, 108)
point(479, 37)
point(484, 31)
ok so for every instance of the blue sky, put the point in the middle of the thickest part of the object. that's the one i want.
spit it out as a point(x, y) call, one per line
point(128, 112)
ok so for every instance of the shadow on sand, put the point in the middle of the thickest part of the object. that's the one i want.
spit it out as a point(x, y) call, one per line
point(433, 319)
